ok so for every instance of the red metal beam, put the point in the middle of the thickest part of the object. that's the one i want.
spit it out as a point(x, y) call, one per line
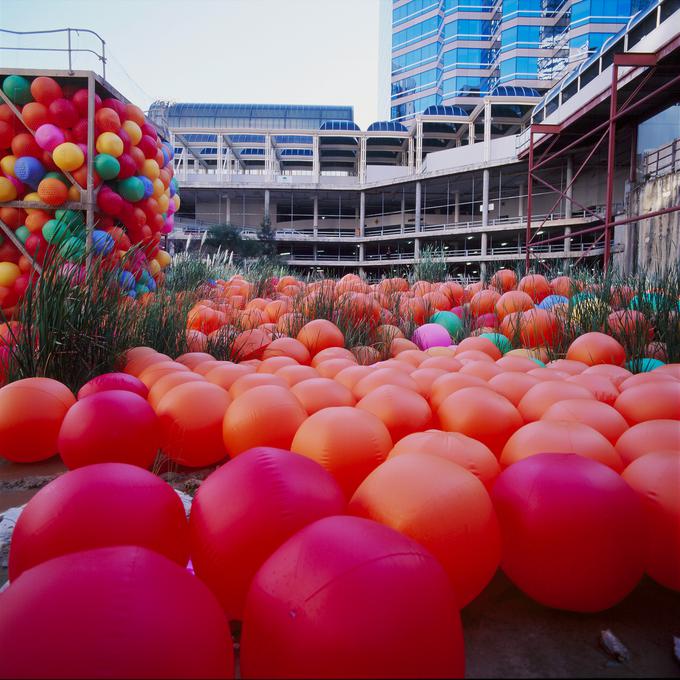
point(610, 161)
point(636, 59)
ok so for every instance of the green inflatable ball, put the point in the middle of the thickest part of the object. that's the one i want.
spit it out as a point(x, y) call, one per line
point(498, 339)
point(22, 233)
point(74, 218)
point(643, 365)
point(55, 231)
point(131, 189)
point(18, 89)
point(72, 248)
point(141, 289)
point(538, 361)
point(448, 320)
point(107, 166)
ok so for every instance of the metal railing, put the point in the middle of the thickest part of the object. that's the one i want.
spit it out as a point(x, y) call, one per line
point(69, 49)
point(661, 161)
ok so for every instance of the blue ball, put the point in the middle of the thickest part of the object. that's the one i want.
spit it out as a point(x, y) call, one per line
point(552, 300)
point(29, 170)
point(102, 243)
point(131, 293)
point(643, 365)
point(148, 186)
point(151, 284)
point(127, 280)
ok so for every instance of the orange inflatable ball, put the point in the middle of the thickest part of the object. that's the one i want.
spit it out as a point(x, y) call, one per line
point(351, 375)
point(425, 377)
point(267, 415)
point(272, 494)
point(320, 334)
point(482, 369)
point(318, 393)
point(383, 376)
point(517, 364)
point(603, 388)
point(332, 353)
point(654, 477)
point(458, 448)
point(658, 400)
point(402, 410)
point(347, 598)
point(414, 357)
point(450, 383)
point(443, 507)
point(512, 385)
point(193, 359)
point(292, 375)
point(287, 347)
point(541, 397)
point(115, 426)
point(513, 301)
point(572, 531)
point(484, 302)
point(273, 364)
point(31, 413)
point(191, 417)
point(597, 348)
point(504, 280)
point(251, 380)
point(250, 344)
point(348, 442)
point(138, 362)
point(52, 191)
point(399, 345)
point(536, 286)
point(645, 378)
point(167, 382)
point(601, 417)
point(151, 374)
point(226, 374)
point(482, 414)
point(330, 368)
point(481, 345)
point(567, 366)
point(649, 437)
point(556, 436)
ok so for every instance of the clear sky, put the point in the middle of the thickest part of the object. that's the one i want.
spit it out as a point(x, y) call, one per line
point(242, 51)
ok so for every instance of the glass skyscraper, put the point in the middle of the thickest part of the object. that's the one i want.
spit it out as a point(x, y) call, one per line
point(454, 51)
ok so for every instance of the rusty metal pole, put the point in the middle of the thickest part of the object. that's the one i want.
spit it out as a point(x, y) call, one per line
point(611, 156)
point(530, 187)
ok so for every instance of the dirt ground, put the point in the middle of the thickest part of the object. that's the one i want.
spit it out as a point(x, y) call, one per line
point(507, 635)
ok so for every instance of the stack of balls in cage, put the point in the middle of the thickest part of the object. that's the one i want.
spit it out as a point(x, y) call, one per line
point(44, 160)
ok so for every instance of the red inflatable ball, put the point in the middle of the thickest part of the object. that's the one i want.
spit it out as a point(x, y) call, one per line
point(597, 348)
point(121, 612)
point(97, 506)
point(113, 381)
point(272, 494)
point(601, 417)
point(349, 598)
point(536, 286)
point(115, 426)
point(482, 414)
point(654, 400)
point(655, 478)
point(443, 507)
point(580, 556)
point(560, 436)
point(650, 436)
point(267, 415)
point(348, 442)
point(31, 413)
point(191, 416)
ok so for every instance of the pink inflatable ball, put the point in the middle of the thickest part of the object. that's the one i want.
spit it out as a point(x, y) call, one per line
point(63, 113)
point(114, 426)
point(350, 598)
point(431, 335)
point(487, 320)
point(79, 100)
point(458, 311)
point(97, 506)
point(117, 612)
point(272, 494)
point(49, 137)
point(583, 557)
point(128, 167)
point(73, 272)
point(109, 202)
point(149, 130)
point(655, 478)
point(118, 106)
point(113, 381)
point(147, 146)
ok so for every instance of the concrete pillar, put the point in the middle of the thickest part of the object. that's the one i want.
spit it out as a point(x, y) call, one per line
point(471, 133)
point(362, 214)
point(456, 207)
point(487, 130)
point(227, 215)
point(482, 264)
point(314, 251)
point(403, 212)
point(485, 198)
point(567, 242)
point(418, 205)
point(315, 221)
point(520, 201)
point(266, 204)
point(416, 249)
point(570, 188)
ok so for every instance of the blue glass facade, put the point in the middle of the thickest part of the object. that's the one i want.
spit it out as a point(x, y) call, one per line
point(453, 51)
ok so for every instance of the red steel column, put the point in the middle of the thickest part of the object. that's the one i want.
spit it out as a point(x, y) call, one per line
point(609, 217)
point(530, 186)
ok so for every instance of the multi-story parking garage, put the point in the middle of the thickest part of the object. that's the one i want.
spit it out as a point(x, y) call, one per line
point(459, 182)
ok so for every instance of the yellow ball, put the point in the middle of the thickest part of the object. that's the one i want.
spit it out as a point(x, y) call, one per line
point(34, 196)
point(9, 273)
point(154, 267)
point(68, 156)
point(163, 258)
point(176, 200)
point(110, 143)
point(158, 188)
point(133, 130)
point(7, 165)
point(74, 193)
point(8, 192)
point(150, 169)
point(163, 203)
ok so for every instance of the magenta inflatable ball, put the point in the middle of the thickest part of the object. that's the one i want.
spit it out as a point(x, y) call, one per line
point(113, 381)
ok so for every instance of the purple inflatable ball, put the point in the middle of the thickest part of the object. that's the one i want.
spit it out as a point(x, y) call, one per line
point(431, 335)
point(113, 381)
